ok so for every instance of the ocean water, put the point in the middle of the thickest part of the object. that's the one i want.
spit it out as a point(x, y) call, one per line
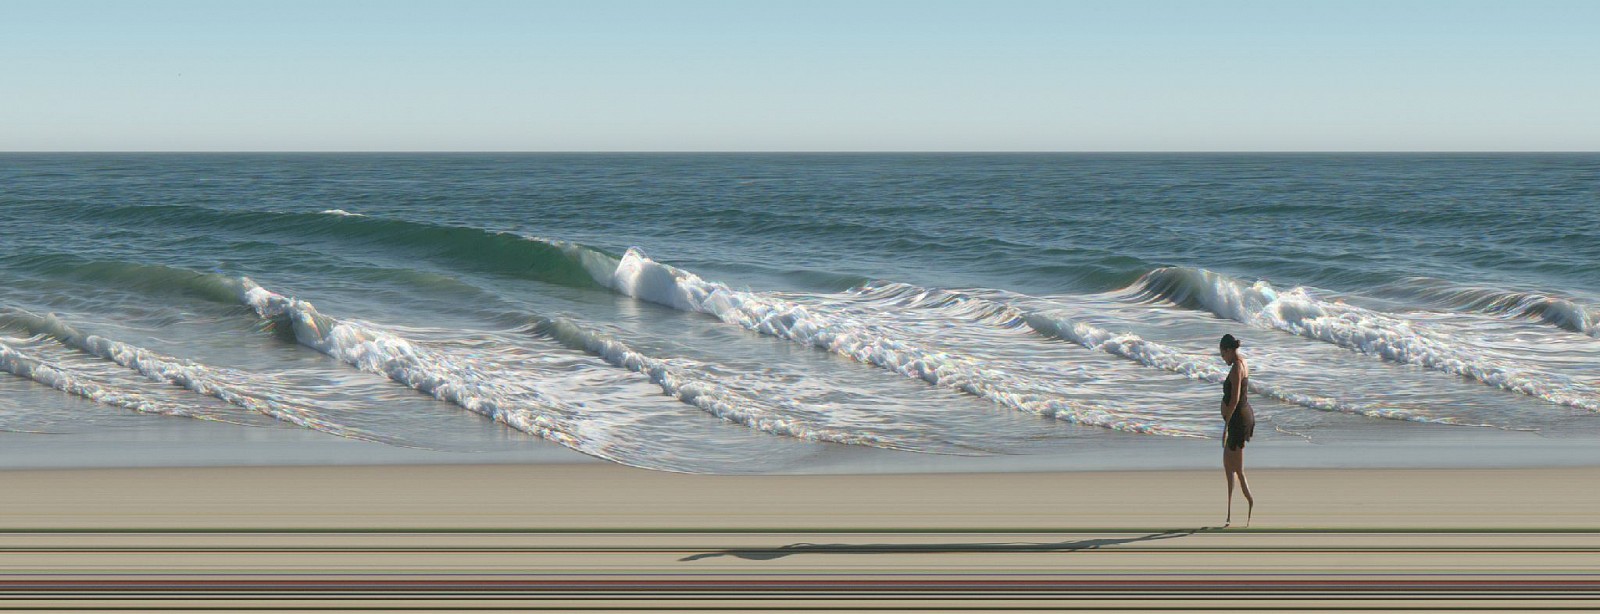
point(737, 313)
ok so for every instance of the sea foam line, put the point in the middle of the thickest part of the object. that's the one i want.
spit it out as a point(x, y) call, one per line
point(60, 378)
point(187, 374)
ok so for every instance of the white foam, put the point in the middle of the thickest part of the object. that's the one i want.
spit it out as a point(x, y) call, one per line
point(957, 304)
point(698, 390)
point(341, 213)
point(506, 398)
point(221, 384)
point(1203, 368)
point(640, 277)
point(63, 379)
point(950, 303)
point(1301, 312)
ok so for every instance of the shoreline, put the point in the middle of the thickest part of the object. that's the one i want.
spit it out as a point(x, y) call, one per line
point(578, 497)
point(192, 444)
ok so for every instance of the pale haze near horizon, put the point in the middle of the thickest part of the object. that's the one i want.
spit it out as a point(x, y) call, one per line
point(800, 76)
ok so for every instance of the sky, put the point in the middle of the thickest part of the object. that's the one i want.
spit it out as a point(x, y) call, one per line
point(813, 75)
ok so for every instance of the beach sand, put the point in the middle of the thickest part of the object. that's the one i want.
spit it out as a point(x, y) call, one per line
point(510, 536)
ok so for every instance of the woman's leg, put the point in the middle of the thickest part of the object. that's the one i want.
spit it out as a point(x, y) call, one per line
point(1229, 467)
point(1244, 485)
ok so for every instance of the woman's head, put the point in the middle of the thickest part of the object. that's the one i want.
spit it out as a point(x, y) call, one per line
point(1229, 348)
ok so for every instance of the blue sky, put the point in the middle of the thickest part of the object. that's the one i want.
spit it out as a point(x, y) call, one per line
point(813, 75)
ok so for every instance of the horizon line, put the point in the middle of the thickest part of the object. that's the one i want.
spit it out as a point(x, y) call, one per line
point(800, 151)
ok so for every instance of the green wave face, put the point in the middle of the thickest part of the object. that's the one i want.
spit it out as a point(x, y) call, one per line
point(479, 250)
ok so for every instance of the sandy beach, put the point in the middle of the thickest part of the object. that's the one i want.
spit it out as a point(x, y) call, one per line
point(599, 536)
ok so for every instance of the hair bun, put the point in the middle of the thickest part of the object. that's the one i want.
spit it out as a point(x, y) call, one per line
point(1230, 342)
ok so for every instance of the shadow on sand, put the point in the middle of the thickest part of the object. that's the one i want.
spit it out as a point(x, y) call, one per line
point(767, 554)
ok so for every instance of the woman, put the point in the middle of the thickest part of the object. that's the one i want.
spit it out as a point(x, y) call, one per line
point(1239, 422)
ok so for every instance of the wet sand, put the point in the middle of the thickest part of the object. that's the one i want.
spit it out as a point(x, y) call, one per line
point(600, 536)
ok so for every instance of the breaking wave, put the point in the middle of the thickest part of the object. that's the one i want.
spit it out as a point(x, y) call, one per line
point(640, 277)
point(1059, 325)
point(775, 416)
point(1303, 312)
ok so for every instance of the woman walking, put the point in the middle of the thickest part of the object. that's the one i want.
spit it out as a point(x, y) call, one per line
point(1239, 423)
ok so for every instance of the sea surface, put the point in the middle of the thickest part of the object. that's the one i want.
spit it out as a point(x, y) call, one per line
point(737, 313)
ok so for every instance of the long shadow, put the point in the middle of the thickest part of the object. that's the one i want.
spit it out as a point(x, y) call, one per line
point(767, 554)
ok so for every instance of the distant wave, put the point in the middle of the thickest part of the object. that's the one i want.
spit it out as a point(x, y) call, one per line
point(1556, 311)
point(220, 288)
point(146, 278)
point(1301, 312)
point(506, 253)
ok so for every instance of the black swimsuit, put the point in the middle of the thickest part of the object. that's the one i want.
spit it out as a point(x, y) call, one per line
point(1243, 424)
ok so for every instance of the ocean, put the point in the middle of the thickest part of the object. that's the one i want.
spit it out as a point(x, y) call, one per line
point(770, 313)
